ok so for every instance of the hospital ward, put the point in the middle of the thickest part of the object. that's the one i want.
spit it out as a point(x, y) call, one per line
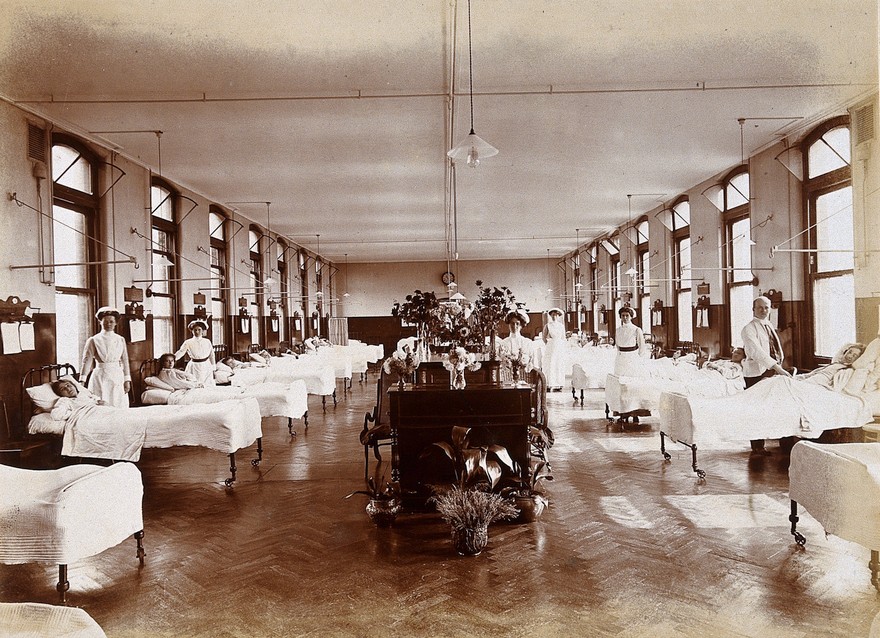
point(438, 319)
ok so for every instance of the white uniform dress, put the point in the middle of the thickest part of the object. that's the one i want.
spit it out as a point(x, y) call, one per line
point(201, 359)
point(630, 342)
point(555, 354)
point(107, 355)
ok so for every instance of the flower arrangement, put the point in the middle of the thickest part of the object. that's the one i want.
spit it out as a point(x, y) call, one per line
point(490, 307)
point(518, 362)
point(453, 324)
point(460, 359)
point(419, 309)
point(402, 363)
point(471, 508)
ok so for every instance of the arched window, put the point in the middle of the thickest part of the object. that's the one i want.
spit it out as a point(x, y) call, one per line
point(737, 254)
point(681, 264)
point(163, 264)
point(304, 286)
point(219, 268)
point(74, 220)
point(828, 196)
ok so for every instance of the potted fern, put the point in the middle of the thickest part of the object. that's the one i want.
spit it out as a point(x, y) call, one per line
point(384, 503)
point(470, 505)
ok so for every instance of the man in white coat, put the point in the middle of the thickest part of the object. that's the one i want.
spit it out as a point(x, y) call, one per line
point(763, 351)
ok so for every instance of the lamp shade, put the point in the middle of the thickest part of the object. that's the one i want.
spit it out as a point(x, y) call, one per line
point(472, 149)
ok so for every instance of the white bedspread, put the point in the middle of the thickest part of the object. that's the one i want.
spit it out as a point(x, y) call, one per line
point(318, 376)
point(628, 394)
point(105, 432)
point(597, 362)
point(839, 485)
point(35, 620)
point(64, 515)
point(772, 409)
point(275, 399)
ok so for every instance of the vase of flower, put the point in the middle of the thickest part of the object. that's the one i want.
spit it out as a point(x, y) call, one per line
point(401, 381)
point(470, 541)
point(457, 379)
point(383, 511)
point(516, 372)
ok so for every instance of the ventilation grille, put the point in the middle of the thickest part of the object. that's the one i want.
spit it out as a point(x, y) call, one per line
point(864, 124)
point(36, 143)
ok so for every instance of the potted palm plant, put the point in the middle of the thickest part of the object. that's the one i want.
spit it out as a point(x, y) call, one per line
point(470, 505)
point(384, 501)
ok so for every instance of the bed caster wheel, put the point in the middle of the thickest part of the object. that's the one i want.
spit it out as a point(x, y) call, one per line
point(700, 474)
point(255, 462)
point(800, 539)
point(228, 482)
point(667, 457)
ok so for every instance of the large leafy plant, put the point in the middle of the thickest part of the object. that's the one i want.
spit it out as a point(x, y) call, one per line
point(490, 307)
point(419, 309)
point(475, 465)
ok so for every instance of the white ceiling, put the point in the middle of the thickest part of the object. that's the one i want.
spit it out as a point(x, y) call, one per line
point(336, 110)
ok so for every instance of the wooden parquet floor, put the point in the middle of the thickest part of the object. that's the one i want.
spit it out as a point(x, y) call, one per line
point(629, 547)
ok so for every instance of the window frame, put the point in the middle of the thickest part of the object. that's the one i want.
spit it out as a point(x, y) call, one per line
point(171, 229)
point(680, 233)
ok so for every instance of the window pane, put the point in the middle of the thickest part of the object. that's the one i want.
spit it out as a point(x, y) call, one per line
point(215, 226)
point(645, 314)
point(255, 326)
point(218, 313)
point(834, 310)
point(685, 317)
point(163, 326)
point(829, 152)
point(681, 215)
point(683, 248)
point(71, 332)
point(71, 169)
point(837, 232)
point(70, 246)
point(741, 249)
point(737, 190)
point(741, 299)
point(643, 232)
point(253, 241)
point(161, 203)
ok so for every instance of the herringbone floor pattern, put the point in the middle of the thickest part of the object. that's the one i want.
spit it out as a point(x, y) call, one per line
point(629, 547)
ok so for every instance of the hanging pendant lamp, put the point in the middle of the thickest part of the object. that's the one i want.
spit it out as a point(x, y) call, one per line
point(472, 148)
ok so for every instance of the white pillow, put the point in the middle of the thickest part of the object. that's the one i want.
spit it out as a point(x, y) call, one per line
point(157, 383)
point(43, 397)
point(869, 357)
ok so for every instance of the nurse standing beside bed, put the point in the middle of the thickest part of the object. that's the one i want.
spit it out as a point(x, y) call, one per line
point(105, 355)
point(201, 353)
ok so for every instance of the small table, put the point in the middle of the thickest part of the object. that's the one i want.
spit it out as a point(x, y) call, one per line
point(423, 415)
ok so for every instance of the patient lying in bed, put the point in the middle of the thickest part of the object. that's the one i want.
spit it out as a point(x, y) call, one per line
point(71, 399)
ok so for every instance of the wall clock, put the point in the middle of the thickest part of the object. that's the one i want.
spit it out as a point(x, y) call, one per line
point(447, 278)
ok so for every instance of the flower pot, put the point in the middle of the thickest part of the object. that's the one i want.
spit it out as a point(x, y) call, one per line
point(530, 508)
point(383, 512)
point(470, 542)
point(457, 380)
point(401, 381)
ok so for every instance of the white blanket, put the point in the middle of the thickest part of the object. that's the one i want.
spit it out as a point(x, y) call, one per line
point(318, 376)
point(105, 432)
point(275, 399)
point(772, 409)
point(596, 362)
point(628, 394)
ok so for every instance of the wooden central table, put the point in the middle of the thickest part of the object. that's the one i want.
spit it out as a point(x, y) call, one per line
point(423, 415)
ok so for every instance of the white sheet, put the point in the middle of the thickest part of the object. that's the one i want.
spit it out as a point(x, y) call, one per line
point(106, 432)
point(33, 620)
point(597, 362)
point(772, 409)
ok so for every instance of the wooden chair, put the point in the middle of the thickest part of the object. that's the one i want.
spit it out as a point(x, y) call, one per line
point(379, 433)
point(540, 436)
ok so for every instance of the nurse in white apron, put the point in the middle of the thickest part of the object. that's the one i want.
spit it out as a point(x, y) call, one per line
point(201, 353)
point(106, 357)
point(630, 344)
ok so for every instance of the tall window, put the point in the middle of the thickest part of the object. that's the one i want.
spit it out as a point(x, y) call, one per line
point(828, 194)
point(281, 266)
point(594, 287)
point(217, 230)
point(74, 213)
point(681, 262)
point(319, 291)
point(737, 255)
point(643, 273)
point(163, 265)
point(256, 282)
point(303, 287)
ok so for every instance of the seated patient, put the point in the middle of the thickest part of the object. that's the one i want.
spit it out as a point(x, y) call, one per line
point(70, 399)
point(177, 379)
point(827, 375)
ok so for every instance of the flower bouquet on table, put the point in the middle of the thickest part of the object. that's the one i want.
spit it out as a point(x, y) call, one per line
point(519, 363)
point(457, 361)
point(402, 363)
